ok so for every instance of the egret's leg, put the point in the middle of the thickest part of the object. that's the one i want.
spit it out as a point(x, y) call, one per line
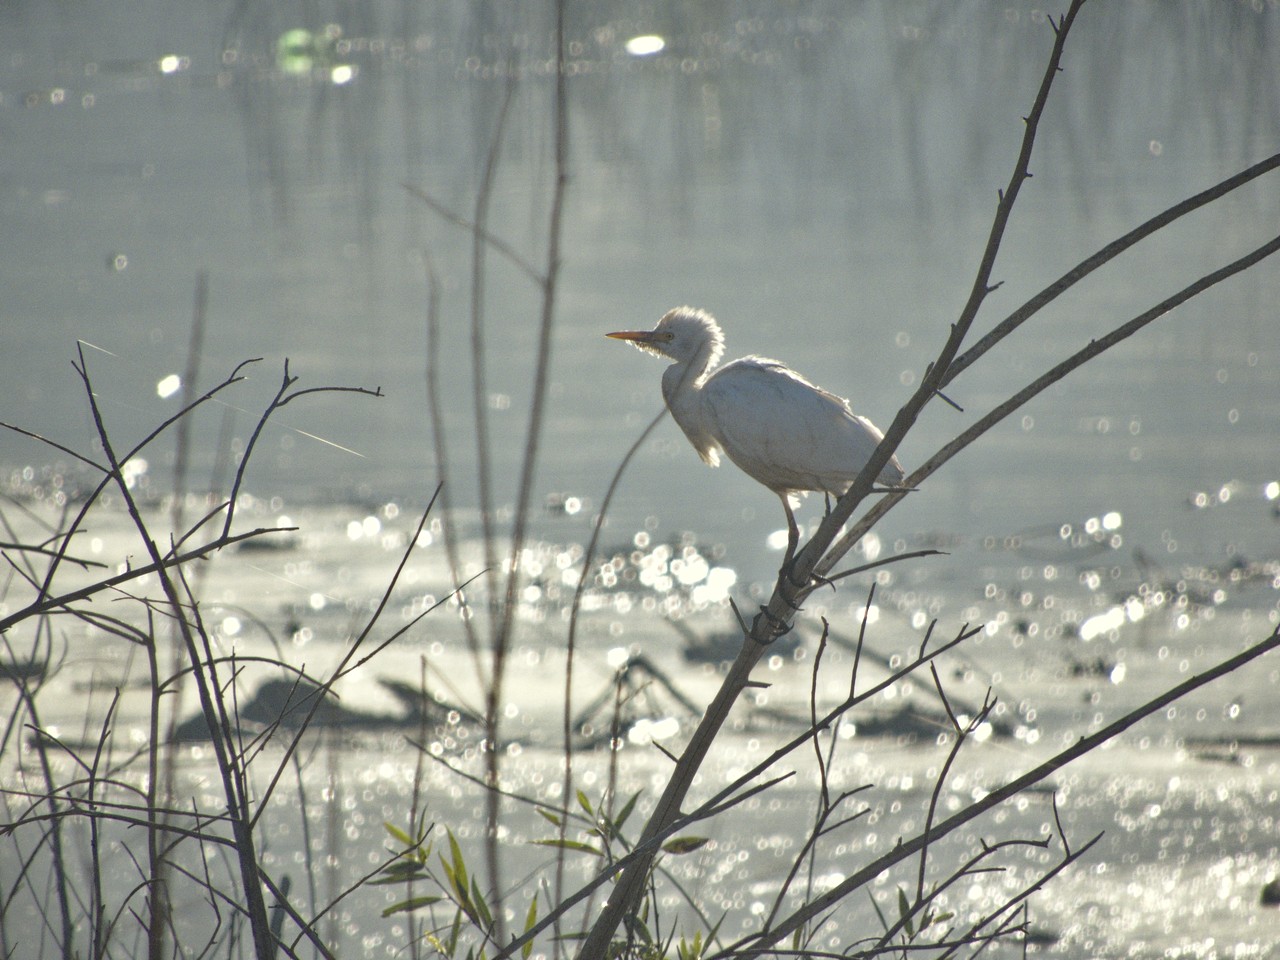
point(793, 536)
point(793, 542)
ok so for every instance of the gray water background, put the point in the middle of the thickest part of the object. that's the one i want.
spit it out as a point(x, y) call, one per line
point(821, 177)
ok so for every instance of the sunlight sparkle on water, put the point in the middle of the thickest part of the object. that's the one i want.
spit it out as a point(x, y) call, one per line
point(168, 386)
point(646, 731)
point(1108, 521)
point(777, 540)
point(872, 613)
point(134, 470)
point(645, 46)
point(368, 527)
point(870, 545)
point(719, 581)
point(1102, 623)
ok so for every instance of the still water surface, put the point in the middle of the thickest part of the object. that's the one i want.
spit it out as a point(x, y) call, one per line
point(822, 178)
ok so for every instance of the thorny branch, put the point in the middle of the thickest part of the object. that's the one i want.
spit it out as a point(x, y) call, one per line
point(793, 586)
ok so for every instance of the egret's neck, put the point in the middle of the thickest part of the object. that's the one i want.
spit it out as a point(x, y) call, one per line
point(682, 387)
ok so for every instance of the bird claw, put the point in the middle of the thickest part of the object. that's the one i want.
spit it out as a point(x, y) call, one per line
point(822, 581)
point(785, 573)
point(777, 626)
point(788, 568)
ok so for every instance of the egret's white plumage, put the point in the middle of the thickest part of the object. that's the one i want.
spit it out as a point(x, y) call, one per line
point(779, 428)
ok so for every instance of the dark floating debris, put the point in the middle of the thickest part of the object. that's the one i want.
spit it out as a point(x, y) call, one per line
point(1235, 741)
point(907, 725)
point(275, 543)
point(288, 702)
point(639, 694)
point(1040, 938)
point(1271, 893)
point(1097, 667)
point(1230, 757)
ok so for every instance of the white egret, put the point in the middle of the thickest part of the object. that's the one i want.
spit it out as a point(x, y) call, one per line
point(779, 428)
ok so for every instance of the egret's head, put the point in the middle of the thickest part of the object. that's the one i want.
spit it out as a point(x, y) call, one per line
point(682, 334)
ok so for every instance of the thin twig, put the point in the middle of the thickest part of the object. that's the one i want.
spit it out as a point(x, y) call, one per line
point(1081, 747)
point(1039, 385)
point(492, 240)
point(1103, 256)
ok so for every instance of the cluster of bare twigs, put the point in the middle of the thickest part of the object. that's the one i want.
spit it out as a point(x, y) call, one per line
point(113, 811)
point(110, 796)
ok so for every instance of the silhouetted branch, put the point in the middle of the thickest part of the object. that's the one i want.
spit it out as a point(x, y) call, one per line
point(795, 584)
point(1083, 746)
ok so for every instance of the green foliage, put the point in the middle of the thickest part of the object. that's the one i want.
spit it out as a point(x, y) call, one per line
point(683, 845)
point(410, 866)
point(530, 919)
point(907, 917)
point(691, 949)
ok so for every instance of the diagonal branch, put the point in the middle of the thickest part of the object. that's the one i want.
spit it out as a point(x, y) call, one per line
point(491, 239)
point(1081, 747)
point(1103, 256)
point(170, 560)
point(1039, 385)
point(777, 617)
point(935, 377)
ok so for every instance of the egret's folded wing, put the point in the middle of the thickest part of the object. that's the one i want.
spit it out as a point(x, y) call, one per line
point(785, 432)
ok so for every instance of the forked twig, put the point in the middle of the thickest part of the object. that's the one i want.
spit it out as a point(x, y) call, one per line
point(1079, 748)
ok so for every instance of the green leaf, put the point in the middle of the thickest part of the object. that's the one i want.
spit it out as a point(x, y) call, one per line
point(690, 951)
point(585, 804)
point(626, 811)
point(904, 912)
point(408, 906)
point(399, 835)
point(681, 845)
point(401, 871)
point(638, 927)
point(457, 871)
point(455, 932)
point(549, 816)
point(482, 908)
point(530, 919)
point(569, 845)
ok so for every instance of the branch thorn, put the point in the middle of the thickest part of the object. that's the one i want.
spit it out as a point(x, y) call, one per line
point(948, 399)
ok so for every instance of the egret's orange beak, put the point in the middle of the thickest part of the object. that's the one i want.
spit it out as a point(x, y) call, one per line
point(638, 336)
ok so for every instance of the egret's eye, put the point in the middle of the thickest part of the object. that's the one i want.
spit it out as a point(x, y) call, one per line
point(667, 335)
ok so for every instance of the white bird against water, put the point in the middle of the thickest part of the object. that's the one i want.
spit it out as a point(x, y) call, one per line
point(780, 429)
